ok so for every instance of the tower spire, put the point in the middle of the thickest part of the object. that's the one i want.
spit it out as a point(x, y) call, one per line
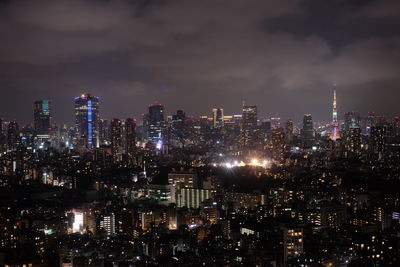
point(335, 124)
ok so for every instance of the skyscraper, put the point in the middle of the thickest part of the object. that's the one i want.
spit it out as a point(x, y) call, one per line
point(351, 120)
point(377, 140)
point(116, 138)
point(275, 122)
point(87, 121)
point(42, 117)
point(308, 132)
point(218, 117)
point(156, 122)
point(130, 133)
point(12, 135)
point(179, 127)
point(104, 132)
point(368, 123)
point(249, 124)
point(335, 124)
point(278, 144)
point(289, 131)
point(353, 142)
point(2, 135)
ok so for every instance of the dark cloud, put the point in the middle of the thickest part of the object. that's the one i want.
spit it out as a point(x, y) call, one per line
point(281, 55)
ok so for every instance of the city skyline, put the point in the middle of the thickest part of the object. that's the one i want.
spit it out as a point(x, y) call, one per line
point(199, 133)
point(282, 57)
point(263, 116)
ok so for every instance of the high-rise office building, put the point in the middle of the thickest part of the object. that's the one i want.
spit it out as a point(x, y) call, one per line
point(289, 131)
point(335, 123)
point(179, 128)
point(351, 120)
point(308, 132)
point(130, 136)
point(87, 121)
point(278, 144)
point(42, 117)
point(275, 122)
point(104, 132)
point(218, 117)
point(249, 124)
point(116, 139)
point(2, 136)
point(377, 142)
point(12, 135)
point(178, 120)
point(353, 142)
point(156, 122)
point(368, 123)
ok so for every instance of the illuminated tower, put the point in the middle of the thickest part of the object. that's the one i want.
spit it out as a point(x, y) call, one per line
point(335, 124)
point(87, 121)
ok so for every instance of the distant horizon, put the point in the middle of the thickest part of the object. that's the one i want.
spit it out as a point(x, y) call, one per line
point(261, 116)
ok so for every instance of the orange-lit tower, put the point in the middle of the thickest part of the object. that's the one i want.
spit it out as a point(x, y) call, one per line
point(335, 124)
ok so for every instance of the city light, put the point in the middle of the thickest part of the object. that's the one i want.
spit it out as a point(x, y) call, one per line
point(159, 145)
point(77, 225)
point(283, 171)
point(254, 161)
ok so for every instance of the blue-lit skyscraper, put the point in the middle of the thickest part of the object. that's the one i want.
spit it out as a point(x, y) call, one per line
point(87, 121)
point(42, 117)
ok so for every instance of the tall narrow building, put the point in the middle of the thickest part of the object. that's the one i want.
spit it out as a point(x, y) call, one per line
point(353, 142)
point(42, 117)
point(308, 132)
point(335, 124)
point(249, 124)
point(130, 134)
point(218, 117)
point(289, 131)
point(156, 122)
point(2, 136)
point(12, 135)
point(116, 139)
point(87, 121)
point(377, 141)
point(104, 132)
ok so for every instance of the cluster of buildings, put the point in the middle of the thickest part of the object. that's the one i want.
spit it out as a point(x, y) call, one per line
point(209, 190)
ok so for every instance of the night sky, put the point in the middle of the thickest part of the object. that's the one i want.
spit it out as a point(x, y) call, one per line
point(282, 56)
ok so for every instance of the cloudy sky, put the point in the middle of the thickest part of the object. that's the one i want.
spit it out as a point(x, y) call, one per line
point(282, 56)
